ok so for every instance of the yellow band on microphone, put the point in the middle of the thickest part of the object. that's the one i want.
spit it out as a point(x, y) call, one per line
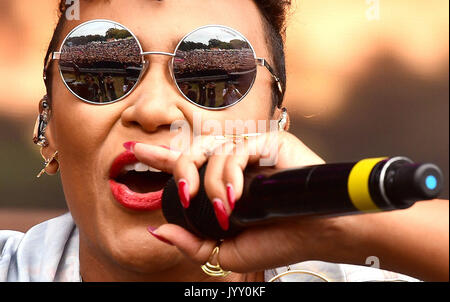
point(358, 184)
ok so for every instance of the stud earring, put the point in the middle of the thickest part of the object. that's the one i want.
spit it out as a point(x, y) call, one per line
point(41, 123)
point(283, 119)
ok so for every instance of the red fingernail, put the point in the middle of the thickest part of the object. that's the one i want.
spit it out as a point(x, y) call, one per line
point(169, 148)
point(221, 213)
point(183, 192)
point(230, 196)
point(129, 146)
point(159, 237)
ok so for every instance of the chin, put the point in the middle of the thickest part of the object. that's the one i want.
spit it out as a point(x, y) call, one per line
point(136, 251)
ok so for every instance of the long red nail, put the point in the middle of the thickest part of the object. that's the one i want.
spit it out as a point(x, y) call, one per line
point(230, 196)
point(159, 237)
point(129, 146)
point(183, 192)
point(221, 213)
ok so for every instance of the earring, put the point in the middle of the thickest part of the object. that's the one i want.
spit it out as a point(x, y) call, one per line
point(47, 162)
point(283, 119)
point(41, 123)
point(39, 133)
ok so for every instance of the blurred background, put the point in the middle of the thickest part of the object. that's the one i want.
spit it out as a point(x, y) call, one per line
point(365, 78)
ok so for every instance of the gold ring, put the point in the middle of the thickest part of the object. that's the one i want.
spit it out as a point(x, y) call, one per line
point(214, 270)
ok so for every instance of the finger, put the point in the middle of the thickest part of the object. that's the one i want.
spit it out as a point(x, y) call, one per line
point(244, 154)
point(293, 152)
point(186, 168)
point(215, 186)
point(233, 177)
point(213, 179)
point(263, 149)
point(275, 150)
point(157, 157)
point(237, 254)
point(278, 150)
point(243, 253)
point(193, 247)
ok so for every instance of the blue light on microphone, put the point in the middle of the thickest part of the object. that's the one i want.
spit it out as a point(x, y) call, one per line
point(431, 182)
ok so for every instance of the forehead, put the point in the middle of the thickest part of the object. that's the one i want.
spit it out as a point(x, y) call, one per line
point(159, 25)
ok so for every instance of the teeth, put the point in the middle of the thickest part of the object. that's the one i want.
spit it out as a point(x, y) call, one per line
point(151, 169)
point(139, 167)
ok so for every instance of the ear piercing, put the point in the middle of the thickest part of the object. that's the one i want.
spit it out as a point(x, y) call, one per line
point(41, 123)
point(283, 119)
point(39, 132)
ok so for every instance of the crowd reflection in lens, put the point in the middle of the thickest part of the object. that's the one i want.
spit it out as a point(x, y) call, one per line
point(214, 67)
point(101, 61)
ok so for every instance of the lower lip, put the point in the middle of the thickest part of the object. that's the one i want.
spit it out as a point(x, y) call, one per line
point(135, 201)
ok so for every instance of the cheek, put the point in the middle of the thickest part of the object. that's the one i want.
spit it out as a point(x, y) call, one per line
point(82, 134)
point(80, 129)
point(257, 103)
point(250, 115)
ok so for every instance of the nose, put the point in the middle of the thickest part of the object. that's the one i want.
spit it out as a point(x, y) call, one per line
point(155, 102)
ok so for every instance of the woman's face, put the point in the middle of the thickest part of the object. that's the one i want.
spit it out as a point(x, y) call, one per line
point(90, 137)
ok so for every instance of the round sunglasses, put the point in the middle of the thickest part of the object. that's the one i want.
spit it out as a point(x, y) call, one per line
point(102, 62)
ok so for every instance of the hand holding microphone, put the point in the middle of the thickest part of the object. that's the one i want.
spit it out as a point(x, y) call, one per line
point(267, 244)
point(369, 185)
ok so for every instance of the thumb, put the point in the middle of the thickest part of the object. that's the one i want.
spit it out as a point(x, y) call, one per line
point(193, 247)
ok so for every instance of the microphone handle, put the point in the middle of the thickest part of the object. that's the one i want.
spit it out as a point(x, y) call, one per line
point(370, 185)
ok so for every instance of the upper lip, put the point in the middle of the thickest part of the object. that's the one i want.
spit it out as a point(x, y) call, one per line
point(123, 159)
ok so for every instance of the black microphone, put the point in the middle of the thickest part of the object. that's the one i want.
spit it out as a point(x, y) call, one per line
point(367, 186)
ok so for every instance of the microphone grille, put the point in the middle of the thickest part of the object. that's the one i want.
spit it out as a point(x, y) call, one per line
point(171, 204)
point(199, 218)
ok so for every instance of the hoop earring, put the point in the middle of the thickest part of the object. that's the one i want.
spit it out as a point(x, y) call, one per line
point(47, 162)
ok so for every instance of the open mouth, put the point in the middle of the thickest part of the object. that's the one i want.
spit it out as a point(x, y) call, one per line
point(141, 178)
point(135, 185)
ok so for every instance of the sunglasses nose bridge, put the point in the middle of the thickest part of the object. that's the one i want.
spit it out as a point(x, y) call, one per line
point(158, 53)
point(169, 63)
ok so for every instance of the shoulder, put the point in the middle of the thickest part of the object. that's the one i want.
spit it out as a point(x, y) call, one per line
point(46, 252)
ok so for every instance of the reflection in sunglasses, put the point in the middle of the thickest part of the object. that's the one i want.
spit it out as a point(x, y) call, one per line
point(214, 66)
point(101, 68)
point(218, 63)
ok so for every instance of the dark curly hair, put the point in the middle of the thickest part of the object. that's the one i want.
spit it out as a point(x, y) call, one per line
point(274, 14)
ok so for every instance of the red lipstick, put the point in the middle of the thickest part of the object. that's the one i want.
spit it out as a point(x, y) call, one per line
point(124, 195)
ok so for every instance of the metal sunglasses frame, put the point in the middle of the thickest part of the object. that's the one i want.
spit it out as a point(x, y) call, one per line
point(258, 61)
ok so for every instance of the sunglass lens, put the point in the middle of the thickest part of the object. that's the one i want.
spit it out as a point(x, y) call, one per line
point(100, 61)
point(214, 66)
